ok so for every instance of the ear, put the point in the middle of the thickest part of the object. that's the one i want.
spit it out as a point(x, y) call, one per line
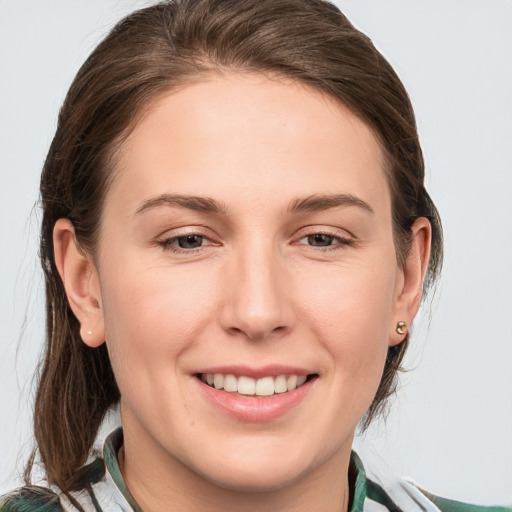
point(81, 283)
point(409, 284)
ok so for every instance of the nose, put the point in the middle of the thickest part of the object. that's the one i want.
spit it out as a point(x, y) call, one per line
point(257, 301)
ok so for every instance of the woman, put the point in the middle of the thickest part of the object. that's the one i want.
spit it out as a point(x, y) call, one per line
point(235, 241)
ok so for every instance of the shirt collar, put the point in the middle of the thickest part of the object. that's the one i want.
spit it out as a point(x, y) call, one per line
point(113, 444)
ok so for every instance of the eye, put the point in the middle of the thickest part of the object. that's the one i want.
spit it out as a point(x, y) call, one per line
point(189, 241)
point(320, 240)
point(185, 243)
point(326, 240)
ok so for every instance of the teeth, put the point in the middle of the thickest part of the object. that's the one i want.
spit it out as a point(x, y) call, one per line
point(230, 383)
point(265, 386)
point(218, 381)
point(301, 379)
point(280, 384)
point(291, 382)
point(246, 386)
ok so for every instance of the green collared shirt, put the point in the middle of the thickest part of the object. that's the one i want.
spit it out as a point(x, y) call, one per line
point(101, 488)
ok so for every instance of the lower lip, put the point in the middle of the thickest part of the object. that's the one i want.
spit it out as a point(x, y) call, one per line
point(256, 409)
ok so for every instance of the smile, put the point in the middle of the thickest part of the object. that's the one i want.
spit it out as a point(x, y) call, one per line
point(247, 386)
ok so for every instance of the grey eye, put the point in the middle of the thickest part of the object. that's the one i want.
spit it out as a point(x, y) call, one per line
point(190, 241)
point(320, 240)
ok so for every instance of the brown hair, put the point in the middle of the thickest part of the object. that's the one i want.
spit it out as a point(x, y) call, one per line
point(154, 50)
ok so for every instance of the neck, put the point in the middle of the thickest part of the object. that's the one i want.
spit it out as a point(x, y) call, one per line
point(159, 481)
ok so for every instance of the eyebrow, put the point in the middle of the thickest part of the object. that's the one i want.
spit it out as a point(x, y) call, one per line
point(324, 202)
point(200, 204)
point(208, 205)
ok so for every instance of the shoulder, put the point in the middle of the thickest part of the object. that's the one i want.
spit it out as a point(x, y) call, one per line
point(447, 505)
point(406, 495)
point(31, 499)
point(403, 495)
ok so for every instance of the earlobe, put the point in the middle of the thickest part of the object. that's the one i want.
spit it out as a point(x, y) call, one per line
point(81, 283)
point(409, 289)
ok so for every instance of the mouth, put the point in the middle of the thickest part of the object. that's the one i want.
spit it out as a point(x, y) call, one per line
point(244, 385)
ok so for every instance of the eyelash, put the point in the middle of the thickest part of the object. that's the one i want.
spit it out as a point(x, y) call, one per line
point(170, 243)
point(336, 242)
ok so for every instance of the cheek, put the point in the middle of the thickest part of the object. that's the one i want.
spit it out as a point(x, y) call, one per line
point(356, 298)
point(350, 309)
point(151, 317)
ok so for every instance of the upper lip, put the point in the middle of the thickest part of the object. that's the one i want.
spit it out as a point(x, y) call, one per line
point(256, 373)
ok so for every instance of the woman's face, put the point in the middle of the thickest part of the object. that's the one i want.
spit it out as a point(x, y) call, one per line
point(247, 238)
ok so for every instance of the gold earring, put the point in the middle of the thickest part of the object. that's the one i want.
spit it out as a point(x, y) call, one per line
point(400, 327)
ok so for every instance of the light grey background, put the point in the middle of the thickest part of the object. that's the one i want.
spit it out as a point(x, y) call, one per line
point(451, 424)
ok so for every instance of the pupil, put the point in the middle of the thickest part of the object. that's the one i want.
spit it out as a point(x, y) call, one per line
point(320, 240)
point(190, 241)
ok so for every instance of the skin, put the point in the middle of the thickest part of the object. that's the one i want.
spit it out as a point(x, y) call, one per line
point(258, 291)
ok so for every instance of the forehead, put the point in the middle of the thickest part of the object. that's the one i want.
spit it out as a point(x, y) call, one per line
point(253, 133)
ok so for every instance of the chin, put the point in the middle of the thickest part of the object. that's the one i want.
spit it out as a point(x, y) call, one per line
point(258, 473)
point(255, 480)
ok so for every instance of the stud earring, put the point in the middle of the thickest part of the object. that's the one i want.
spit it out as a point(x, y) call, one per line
point(89, 332)
point(400, 327)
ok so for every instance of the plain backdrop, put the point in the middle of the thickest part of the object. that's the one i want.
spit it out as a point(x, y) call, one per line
point(450, 426)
